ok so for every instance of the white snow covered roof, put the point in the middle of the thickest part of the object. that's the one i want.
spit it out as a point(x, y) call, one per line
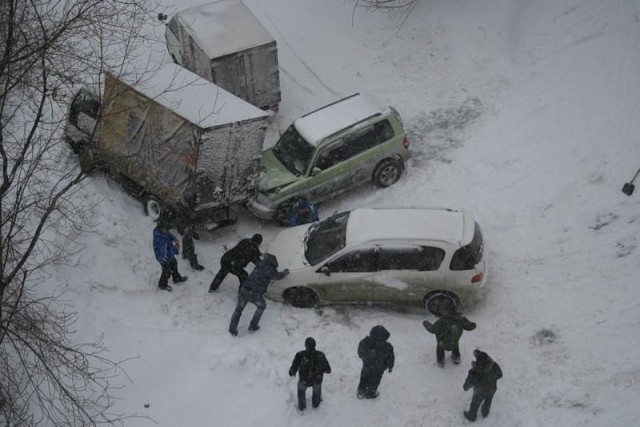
point(317, 125)
point(195, 99)
point(224, 26)
point(407, 223)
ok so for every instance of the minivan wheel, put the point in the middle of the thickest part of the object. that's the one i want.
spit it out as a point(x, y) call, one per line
point(301, 297)
point(282, 213)
point(152, 207)
point(387, 172)
point(442, 302)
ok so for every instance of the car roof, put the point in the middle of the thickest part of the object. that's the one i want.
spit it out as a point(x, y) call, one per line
point(224, 26)
point(451, 226)
point(330, 119)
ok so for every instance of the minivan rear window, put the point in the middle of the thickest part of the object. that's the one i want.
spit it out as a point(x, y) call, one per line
point(467, 257)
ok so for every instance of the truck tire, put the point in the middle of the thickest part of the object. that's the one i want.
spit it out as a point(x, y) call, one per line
point(152, 207)
point(387, 172)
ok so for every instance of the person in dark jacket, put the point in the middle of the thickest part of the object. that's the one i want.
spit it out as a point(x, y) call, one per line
point(303, 212)
point(377, 355)
point(188, 248)
point(312, 365)
point(165, 248)
point(483, 378)
point(448, 330)
point(252, 290)
point(236, 259)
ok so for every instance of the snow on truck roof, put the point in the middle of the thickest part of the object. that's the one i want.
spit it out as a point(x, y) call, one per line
point(319, 124)
point(454, 226)
point(224, 26)
point(195, 99)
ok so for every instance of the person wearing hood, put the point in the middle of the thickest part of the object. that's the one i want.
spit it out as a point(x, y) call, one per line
point(311, 365)
point(236, 259)
point(377, 356)
point(483, 378)
point(165, 248)
point(448, 330)
point(252, 290)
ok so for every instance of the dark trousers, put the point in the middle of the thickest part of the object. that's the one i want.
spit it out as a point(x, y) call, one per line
point(247, 296)
point(226, 268)
point(316, 396)
point(455, 352)
point(169, 269)
point(188, 247)
point(481, 396)
point(369, 382)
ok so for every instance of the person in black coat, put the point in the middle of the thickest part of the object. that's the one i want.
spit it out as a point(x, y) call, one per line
point(483, 378)
point(252, 290)
point(236, 259)
point(312, 365)
point(377, 355)
point(448, 330)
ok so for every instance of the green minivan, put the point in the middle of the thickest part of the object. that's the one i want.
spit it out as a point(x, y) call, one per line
point(328, 151)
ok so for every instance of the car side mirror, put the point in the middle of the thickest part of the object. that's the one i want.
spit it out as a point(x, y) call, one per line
point(315, 171)
point(325, 270)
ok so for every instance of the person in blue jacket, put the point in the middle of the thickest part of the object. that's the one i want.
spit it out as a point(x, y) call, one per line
point(303, 212)
point(165, 248)
point(252, 290)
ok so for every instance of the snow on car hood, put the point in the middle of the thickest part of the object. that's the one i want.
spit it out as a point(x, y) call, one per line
point(288, 246)
point(273, 173)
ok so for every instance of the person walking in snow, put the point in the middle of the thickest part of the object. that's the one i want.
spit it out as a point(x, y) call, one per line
point(303, 212)
point(311, 365)
point(377, 356)
point(483, 378)
point(236, 259)
point(252, 290)
point(165, 248)
point(188, 247)
point(448, 330)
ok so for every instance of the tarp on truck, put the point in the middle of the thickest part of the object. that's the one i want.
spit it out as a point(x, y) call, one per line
point(177, 135)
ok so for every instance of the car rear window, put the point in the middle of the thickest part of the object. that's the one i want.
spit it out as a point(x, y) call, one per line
point(467, 257)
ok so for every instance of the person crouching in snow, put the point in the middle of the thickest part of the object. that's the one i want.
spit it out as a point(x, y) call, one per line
point(312, 365)
point(303, 212)
point(165, 248)
point(483, 378)
point(252, 290)
point(448, 330)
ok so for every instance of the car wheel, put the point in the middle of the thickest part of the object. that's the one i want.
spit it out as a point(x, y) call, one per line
point(152, 207)
point(387, 172)
point(442, 302)
point(301, 297)
point(282, 213)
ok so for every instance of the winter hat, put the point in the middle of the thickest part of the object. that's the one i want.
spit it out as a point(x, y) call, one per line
point(310, 344)
point(482, 358)
point(379, 332)
point(270, 259)
point(256, 238)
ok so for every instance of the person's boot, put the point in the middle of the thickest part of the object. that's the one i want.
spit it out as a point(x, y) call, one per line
point(194, 263)
point(253, 328)
point(165, 288)
point(455, 359)
point(469, 416)
point(180, 279)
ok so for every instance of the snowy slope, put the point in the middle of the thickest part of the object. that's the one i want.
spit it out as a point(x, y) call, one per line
point(524, 112)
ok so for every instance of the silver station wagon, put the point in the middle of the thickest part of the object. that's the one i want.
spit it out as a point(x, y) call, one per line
point(409, 255)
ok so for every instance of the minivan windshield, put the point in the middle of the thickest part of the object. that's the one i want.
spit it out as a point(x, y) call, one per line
point(293, 151)
point(325, 238)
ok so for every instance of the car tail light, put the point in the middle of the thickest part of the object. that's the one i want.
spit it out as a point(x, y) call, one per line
point(477, 278)
point(405, 142)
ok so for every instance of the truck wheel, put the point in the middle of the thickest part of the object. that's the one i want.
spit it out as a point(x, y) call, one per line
point(442, 302)
point(152, 207)
point(300, 297)
point(387, 172)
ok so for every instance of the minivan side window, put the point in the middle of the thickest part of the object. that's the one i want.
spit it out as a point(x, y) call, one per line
point(331, 155)
point(468, 256)
point(359, 260)
point(421, 258)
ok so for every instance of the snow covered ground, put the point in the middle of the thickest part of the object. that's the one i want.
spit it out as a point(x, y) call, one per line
point(526, 113)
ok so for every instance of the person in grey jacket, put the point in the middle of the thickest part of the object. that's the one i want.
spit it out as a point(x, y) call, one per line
point(252, 290)
point(377, 356)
